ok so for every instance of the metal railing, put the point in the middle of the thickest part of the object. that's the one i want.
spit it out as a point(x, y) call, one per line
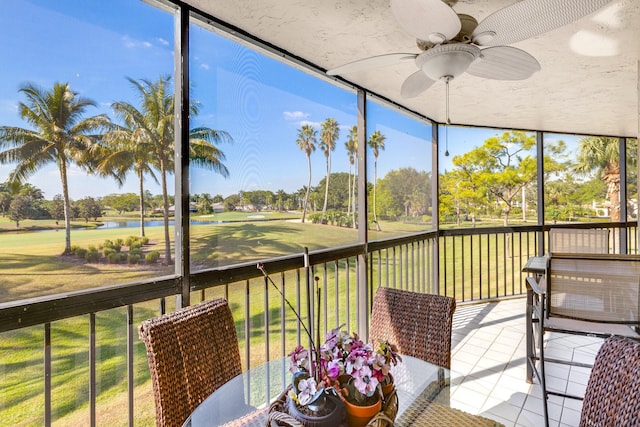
point(468, 264)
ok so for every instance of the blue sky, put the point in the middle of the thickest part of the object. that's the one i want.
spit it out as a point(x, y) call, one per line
point(95, 45)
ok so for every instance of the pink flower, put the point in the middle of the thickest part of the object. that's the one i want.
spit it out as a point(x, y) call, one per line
point(364, 382)
point(299, 360)
point(306, 390)
point(333, 369)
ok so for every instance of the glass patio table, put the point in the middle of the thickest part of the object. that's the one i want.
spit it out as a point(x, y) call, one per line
point(415, 381)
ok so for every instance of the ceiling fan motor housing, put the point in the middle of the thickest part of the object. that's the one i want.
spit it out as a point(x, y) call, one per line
point(468, 25)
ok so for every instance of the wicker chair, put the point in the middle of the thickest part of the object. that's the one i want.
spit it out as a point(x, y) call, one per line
point(419, 324)
point(191, 353)
point(611, 398)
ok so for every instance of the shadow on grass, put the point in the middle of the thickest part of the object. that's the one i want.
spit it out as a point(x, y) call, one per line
point(242, 242)
point(40, 265)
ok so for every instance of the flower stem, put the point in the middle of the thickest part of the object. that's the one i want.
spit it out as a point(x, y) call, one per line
point(267, 277)
point(318, 363)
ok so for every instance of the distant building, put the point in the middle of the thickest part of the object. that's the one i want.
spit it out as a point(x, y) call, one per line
point(218, 207)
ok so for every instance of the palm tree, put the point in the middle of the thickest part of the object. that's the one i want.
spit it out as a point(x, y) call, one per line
point(204, 203)
point(376, 142)
point(127, 149)
point(60, 134)
point(281, 196)
point(352, 151)
point(307, 140)
point(329, 134)
point(153, 125)
point(602, 155)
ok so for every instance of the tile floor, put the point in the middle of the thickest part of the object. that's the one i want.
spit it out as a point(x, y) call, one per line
point(488, 367)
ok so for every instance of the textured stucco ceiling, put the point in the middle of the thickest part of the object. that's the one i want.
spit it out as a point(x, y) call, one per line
point(588, 82)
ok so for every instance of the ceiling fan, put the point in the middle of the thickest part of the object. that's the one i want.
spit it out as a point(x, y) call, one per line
point(451, 44)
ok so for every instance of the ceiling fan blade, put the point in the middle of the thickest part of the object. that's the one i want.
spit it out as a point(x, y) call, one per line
point(372, 62)
point(529, 18)
point(415, 84)
point(504, 63)
point(429, 20)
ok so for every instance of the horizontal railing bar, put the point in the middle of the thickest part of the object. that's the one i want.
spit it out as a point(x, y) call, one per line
point(39, 310)
point(531, 228)
point(397, 241)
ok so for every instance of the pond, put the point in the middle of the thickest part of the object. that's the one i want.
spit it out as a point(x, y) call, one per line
point(148, 223)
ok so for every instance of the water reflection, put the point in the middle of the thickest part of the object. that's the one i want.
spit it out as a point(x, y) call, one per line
point(149, 223)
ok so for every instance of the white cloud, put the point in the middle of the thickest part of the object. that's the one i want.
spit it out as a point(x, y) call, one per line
point(204, 66)
point(295, 115)
point(130, 43)
point(163, 41)
point(310, 123)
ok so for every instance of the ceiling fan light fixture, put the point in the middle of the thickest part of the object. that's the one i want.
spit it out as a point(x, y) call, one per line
point(447, 60)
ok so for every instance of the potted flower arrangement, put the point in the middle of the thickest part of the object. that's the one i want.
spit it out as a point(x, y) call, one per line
point(310, 401)
point(344, 363)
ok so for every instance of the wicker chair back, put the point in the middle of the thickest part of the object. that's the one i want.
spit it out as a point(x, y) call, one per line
point(611, 398)
point(191, 353)
point(419, 324)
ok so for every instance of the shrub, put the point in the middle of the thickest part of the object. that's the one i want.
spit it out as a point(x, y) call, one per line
point(134, 258)
point(135, 251)
point(315, 218)
point(73, 248)
point(135, 245)
point(92, 248)
point(114, 258)
point(116, 246)
point(130, 240)
point(80, 252)
point(144, 240)
point(108, 251)
point(92, 256)
point(152, 257)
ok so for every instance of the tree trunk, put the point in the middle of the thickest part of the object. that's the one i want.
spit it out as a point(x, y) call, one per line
point(165, 203)
point(140, 177)
point(67, 207)
point(306, 197)
point(353, 196)
point(326, 187)
point(375, 185)
point(349, 192)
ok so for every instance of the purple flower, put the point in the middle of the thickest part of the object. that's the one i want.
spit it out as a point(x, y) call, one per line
point(334, 369)
point(299, 360)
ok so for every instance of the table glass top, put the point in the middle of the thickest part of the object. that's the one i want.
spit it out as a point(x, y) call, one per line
point(257, 387)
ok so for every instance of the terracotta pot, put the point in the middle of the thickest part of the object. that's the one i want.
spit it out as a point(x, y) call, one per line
point(335, 418)
point(388, 388)
point(359, 416)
